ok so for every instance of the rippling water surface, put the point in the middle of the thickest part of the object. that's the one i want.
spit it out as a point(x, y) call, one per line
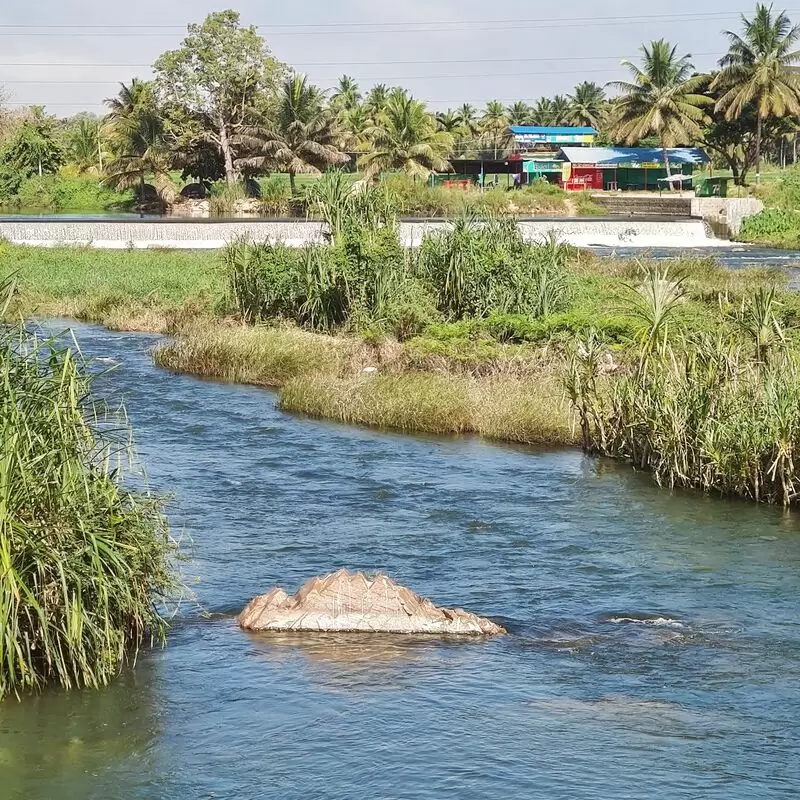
point(654, 648)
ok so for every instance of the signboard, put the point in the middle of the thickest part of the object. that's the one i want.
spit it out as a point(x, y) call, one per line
point(640, 165)
point(566, 171)
point(542, 166)
point(554, 138)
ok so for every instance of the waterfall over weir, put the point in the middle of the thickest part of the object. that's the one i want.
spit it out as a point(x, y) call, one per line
point(211, 234)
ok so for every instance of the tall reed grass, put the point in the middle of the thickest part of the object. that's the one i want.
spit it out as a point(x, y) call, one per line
point(83, 559)
point(717, 412)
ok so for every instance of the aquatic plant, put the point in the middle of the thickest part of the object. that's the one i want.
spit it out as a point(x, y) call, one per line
point(83, 559)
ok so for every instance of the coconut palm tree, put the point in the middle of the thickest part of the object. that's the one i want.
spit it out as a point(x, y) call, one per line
point(406, 138)
point(758, 70)
point(663, 99)
point(561, 109)
point(587, 105)
point(85, 145)
point(346, 96)
point(519, 113)
point(137, 138)
point(375, 102)
point(542, 112)
point(494, 128)
point(302, 139)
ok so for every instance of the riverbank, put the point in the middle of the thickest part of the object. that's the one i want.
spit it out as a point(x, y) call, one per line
point(501, 376)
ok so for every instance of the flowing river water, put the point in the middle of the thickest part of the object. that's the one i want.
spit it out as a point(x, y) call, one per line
point(654, 647)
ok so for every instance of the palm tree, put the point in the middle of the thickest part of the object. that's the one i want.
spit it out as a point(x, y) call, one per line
point(587, 105)
point(561, 109)
point(406, 138)
point(663, 100)
point(449, 121)
point(758, 70)
point(542, 112)
point(85, 145)
point(135, 131)
point(519, 113)
point(375, 102)
point(303, 138)
point(494, 128)
point(346, 95)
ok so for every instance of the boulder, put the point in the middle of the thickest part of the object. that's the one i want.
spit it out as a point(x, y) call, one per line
point(347, 602)
point(194, 191)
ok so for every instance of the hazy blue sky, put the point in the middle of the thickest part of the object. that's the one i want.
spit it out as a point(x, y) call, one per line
point(545, 52)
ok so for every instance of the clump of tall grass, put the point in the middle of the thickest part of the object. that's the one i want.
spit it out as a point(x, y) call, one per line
point(478, 266)
point(83, 558)
point(715, 412)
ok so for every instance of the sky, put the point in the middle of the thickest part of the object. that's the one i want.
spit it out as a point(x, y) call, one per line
point(69, 56)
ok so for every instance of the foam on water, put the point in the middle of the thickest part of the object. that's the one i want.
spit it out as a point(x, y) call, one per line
point(178, 234)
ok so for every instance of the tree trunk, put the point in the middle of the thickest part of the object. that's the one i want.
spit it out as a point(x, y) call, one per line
point(40, 166)
point(666, 165)
point(292, 183)
point(231, 175)
point(758, 149)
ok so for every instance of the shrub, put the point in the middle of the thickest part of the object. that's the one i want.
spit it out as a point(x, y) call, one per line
point(774, 226)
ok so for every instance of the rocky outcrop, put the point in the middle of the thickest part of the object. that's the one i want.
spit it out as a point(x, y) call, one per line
point(347, 602)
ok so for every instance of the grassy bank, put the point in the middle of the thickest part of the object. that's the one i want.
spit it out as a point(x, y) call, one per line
point(126, 290)
point(476, 332)
point(779, 224)
point(84, 559)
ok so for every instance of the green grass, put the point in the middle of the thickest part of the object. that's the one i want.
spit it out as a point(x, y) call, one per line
point(83, 558)
point(133, 289)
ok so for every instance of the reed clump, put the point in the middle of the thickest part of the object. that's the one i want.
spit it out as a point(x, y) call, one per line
point(719, 412)
point(83, 559)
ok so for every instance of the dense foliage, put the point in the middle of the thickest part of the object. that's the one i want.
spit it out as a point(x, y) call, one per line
point(223, 107)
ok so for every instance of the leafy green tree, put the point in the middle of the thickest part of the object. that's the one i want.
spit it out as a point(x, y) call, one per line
point(587, 106)
point(223, 73)
point(35, 148)
point(663, 100)
point(406, 138)
point(304, 138)
point(759, 71)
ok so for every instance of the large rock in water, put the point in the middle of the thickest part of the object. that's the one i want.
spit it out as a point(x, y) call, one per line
point(346, 602)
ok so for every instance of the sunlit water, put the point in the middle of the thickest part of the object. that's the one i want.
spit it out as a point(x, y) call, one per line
point(654, 648)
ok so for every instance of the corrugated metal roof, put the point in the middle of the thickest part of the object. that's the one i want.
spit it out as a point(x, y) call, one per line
point(552, 131)
point(622, 155)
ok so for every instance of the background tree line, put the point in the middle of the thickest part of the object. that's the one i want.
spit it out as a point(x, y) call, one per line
point(222, 108)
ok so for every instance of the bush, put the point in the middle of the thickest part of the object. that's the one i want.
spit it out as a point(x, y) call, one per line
point(63, 193)
point(773, 226)
point(83, 558)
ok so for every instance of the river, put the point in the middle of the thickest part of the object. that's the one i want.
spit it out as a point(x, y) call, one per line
point(654, 648)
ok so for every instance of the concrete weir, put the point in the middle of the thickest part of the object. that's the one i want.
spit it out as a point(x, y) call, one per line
point(213, 234)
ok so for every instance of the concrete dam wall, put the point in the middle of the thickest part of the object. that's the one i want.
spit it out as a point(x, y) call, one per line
point(195, 235)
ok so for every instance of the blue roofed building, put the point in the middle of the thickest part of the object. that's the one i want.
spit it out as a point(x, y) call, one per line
point(628, 168)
